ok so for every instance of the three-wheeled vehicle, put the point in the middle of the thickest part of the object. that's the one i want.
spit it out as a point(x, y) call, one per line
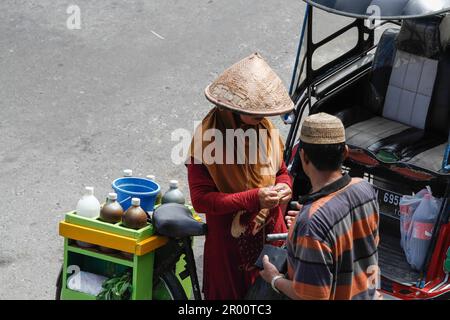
point(383, 68)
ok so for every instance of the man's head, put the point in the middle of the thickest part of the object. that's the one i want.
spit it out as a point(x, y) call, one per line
point(322, 147)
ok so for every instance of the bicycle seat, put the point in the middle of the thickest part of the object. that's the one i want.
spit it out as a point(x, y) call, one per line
point(176, 221)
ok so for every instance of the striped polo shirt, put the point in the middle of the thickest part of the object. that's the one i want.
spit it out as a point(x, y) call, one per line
point(332, 247)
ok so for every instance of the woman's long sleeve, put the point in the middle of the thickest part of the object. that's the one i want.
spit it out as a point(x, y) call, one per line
point(283, 176)
point(207, 199)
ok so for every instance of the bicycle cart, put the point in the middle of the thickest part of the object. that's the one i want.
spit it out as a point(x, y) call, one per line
point(161, 267)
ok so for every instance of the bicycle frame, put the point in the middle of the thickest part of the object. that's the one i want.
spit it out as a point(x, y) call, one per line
point(168, 256)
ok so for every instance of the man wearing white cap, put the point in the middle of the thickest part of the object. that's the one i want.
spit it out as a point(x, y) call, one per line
point(333, 239)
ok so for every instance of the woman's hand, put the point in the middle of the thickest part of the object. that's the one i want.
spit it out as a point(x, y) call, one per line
point(291, 215)
point(268, 198)
point(284, 192)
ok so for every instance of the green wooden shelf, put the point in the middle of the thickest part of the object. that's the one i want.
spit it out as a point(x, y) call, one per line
point(68, 294)
point(116, 228)
point(141, 268)
point(111, 257)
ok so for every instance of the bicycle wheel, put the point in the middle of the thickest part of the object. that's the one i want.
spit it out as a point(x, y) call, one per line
point(168, 287)
point(59, 284)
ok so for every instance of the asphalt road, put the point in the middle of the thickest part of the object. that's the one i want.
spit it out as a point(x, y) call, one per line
point(79, 106)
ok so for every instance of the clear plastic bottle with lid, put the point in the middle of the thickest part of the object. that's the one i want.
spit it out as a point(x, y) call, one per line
point(89, 207)
point(173, 195)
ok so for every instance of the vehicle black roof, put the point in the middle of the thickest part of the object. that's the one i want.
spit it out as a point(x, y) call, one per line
point(383, 9)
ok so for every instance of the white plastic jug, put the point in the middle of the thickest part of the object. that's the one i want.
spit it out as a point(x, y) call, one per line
point(89, 207)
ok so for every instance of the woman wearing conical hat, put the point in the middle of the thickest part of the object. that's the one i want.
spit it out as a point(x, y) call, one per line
point(237, 176)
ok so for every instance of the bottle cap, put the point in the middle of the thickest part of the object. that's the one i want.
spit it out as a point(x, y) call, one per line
point(135, 202)
point(127, 173)
point(112, 196)
point(89, 191)
point(151, 177)
point(173, 183)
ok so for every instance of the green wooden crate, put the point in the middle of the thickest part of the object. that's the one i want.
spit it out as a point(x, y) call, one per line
point(116, 228)
point(108, 264)
point(92, 260)
point(88, 259)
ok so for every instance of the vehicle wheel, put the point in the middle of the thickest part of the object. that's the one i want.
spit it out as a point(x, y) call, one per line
point(59, 284)
point(168, 287)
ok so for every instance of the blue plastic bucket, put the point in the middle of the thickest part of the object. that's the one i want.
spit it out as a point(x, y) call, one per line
point(133, 187)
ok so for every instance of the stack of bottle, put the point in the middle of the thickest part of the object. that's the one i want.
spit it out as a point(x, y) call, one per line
point(112, 211)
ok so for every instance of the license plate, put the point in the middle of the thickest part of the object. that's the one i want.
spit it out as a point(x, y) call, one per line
point(389, 202)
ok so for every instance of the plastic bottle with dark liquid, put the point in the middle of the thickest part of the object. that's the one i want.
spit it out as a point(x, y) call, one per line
point(135, 217)
point(173, 195)
point(112, 211)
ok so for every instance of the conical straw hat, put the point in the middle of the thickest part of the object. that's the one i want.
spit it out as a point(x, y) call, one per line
point(250, 87)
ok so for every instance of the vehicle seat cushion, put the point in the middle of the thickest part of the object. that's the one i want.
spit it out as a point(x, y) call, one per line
point(381, 70)
point(352, 115)
point(366, 133)
point(421, 37)
point(438, 119)
point(387, 139)
point(445, 32)
point(430, 159)
point(405, 145)
point(410, 89)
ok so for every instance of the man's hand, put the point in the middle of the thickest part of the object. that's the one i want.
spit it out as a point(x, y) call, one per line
point(291, 215)
point(268, 198)
point(284, 192)
point(269, 270)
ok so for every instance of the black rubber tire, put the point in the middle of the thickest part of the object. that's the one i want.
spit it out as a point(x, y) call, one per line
point(173, 285)
point(59, 285)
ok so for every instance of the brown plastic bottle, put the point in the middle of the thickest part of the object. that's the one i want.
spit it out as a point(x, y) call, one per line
point(112, 211)
point(135, 217)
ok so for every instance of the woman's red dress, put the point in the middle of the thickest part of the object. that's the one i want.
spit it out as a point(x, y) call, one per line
point(223, 278)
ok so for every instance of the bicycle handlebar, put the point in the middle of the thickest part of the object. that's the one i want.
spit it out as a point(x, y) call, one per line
point(276, 236)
